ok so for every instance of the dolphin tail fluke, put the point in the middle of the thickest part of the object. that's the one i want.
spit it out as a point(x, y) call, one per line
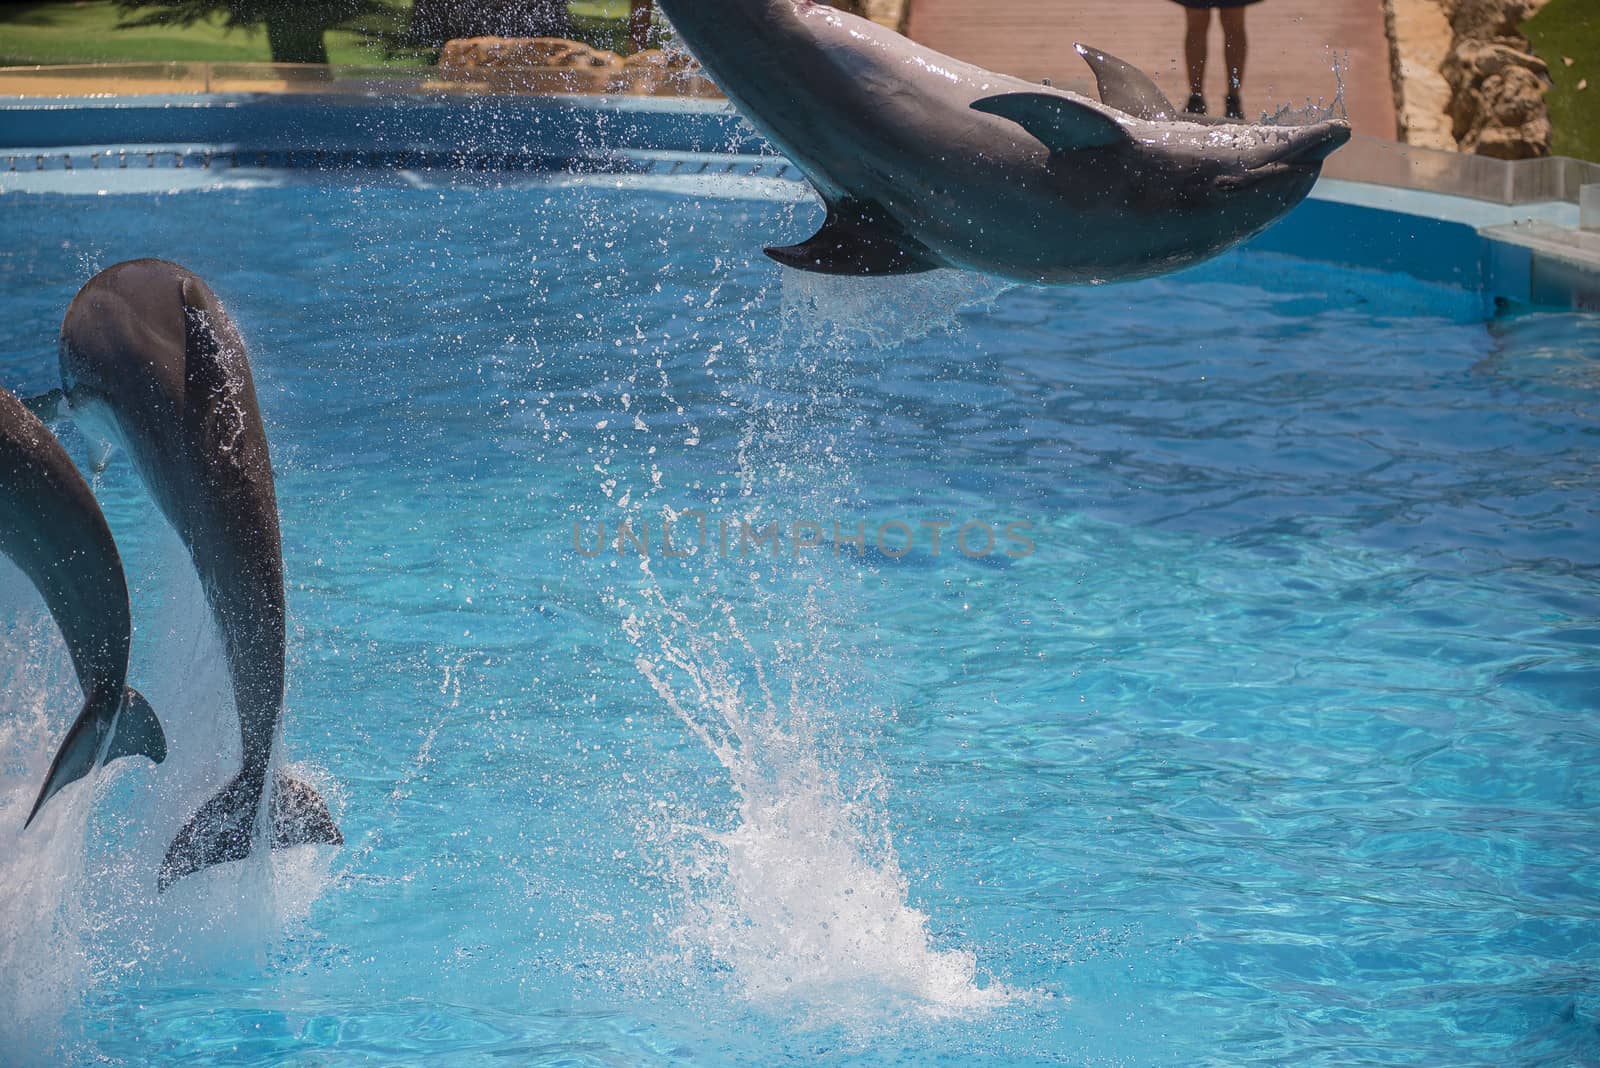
point(76, 756)
point(46, 406)
point(138, 731)
point(221, 831)
point(300, 816)
point(858, 240)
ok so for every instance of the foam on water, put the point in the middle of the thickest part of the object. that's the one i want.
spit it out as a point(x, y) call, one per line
point(795, 895)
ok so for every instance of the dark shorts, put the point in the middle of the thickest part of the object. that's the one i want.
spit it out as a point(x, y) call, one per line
point(1215, 3)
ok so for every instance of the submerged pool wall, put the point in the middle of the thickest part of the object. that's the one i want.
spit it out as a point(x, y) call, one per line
point(1510, 232)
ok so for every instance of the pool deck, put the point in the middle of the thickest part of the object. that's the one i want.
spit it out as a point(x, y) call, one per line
point(1291, 47)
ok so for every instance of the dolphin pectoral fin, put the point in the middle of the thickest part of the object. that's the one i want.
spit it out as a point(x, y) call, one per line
point(217, 834)
point(1060, 122)
point(138, 731)
point(858, 241)
point(76, 756)
point(47, 406)
point(300, 816)
point(1127, 88)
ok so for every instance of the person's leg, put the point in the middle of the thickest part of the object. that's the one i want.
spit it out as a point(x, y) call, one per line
point(1235, 49)
point(1194, 53)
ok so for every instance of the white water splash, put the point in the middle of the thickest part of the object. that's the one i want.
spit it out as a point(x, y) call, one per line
point(79, 908)
point(800, 900)
point(1320, 110)
point(42, 954)
point(883, 312)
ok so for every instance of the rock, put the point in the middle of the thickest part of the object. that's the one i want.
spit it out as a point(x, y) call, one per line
point(670, 72)
point(1497, 85)
point(1483, 20)
point(557, 65)
point(479, 53)
point(1473, 61)
point(1514, 123)
point(1527, 142)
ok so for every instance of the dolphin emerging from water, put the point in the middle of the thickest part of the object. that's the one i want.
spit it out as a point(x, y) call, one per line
point(52, 528)
point(924, 161)
point(150, 361)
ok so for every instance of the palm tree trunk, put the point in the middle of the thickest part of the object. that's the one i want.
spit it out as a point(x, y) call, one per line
point(293, 40)
point(639, 24)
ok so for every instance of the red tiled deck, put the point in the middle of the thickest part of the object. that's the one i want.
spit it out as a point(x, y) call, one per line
point(1289, 47)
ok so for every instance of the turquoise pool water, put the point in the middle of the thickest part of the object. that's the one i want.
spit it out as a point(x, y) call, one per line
point(1271, 741)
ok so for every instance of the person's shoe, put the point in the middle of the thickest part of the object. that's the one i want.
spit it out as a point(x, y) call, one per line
point(1196, 105)
point(1235, 106)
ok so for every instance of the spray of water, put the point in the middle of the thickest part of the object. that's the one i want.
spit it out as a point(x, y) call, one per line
point(883, 312)
point(83, 914)
point(41, 946)
point(1319, 110)
point(795, 898)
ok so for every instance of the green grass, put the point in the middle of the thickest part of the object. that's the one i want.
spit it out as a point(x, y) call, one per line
point(51, 33)
point(89, 33)
point(1571, 29)
point(599, 9)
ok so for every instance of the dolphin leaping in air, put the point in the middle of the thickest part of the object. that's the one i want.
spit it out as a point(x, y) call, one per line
point(52, 528)
point(150, 361)
point(924, 161)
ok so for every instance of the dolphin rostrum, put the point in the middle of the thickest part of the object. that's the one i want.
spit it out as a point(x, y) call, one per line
point(150, 361)
point(924, 161)
point(52, 528)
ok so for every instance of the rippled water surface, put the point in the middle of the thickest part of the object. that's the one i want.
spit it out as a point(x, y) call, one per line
point(1264, 734)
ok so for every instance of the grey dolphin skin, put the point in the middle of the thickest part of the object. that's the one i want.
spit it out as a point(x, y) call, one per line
point(152, 362)
point(924, 161)
point(52, 528)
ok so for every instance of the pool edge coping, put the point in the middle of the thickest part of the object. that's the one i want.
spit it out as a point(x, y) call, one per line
point(1527, 246)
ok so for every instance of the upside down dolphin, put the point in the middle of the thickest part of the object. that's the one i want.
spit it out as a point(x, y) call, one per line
point(52, 528)
point(150, 361)
point(924, 161)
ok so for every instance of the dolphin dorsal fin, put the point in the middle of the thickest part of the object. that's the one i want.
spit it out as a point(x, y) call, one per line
point(1127, 88)
point(1063, 124)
